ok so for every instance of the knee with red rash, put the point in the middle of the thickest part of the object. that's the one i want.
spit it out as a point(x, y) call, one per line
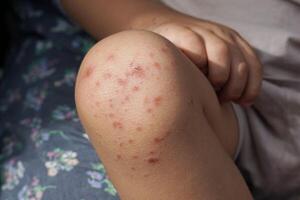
point(130, 91)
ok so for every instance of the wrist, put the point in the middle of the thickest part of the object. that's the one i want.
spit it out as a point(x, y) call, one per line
point(152, 17)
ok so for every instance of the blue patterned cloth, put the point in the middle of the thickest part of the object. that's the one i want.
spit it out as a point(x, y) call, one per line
point(45, 154)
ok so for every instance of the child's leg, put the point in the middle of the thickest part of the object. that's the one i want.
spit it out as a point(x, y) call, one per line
point(156, 122)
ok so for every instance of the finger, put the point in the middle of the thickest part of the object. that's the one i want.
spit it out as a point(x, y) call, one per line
point(238, 72)
point(253, 86)
point(218, 56)
point(191, 44)
point(194, 48)
point(238, 77)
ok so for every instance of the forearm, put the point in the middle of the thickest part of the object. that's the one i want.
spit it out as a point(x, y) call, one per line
point(102, 17)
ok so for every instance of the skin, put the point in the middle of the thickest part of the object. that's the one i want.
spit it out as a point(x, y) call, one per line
point(156, 115)
point(172, 129)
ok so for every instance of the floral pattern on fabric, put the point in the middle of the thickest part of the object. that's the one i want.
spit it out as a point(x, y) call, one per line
point(33, 191)
point(39, 136)
point(60, 160)
point(44, 152)
point(98, 179)
point(13, 172)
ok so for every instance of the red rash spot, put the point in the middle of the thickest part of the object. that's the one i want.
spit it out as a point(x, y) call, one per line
point(130, 141)
point(135, 157)
point(111, 57)
point(107, 76)
point(121, 144)
point(149, 110)
point(122, 82)
point(119, 156)
point(153, 160)
point(88, 71)
point(138, 72)
point(165, 50)
point(117, 125)
point(111, 115)
point(131, 64)
point(168, 133)
point(158, 140)
point(133, 168)
point(111, 105)
point(139, 128)
point(151, 152)
point(157, 101)
point(97, 83)
point(135, 88)
point(127, 98)
point(157, 65)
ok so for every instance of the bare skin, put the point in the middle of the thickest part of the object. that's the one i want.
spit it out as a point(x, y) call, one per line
point(158, 111)
point(155, 121)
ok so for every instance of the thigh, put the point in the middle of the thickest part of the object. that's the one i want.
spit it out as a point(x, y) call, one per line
point(223, 121)
point(152, 117)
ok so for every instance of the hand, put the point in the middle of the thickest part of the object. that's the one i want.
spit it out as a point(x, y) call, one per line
point(227, 60)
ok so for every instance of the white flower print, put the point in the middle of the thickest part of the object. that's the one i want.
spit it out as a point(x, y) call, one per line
point(59, 159)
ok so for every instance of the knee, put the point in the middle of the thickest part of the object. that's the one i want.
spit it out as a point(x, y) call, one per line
point(130, 82)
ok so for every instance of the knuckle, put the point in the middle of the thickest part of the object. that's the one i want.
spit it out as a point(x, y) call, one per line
point(194, 39)
point(222, 49)
point(242, 69)
point(217, 30)
point(191, 38)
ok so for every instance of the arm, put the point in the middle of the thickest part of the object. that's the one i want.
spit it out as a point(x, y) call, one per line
point(102, 18)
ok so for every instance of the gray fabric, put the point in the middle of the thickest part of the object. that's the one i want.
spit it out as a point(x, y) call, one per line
point(270, 155)
point(243, 128)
